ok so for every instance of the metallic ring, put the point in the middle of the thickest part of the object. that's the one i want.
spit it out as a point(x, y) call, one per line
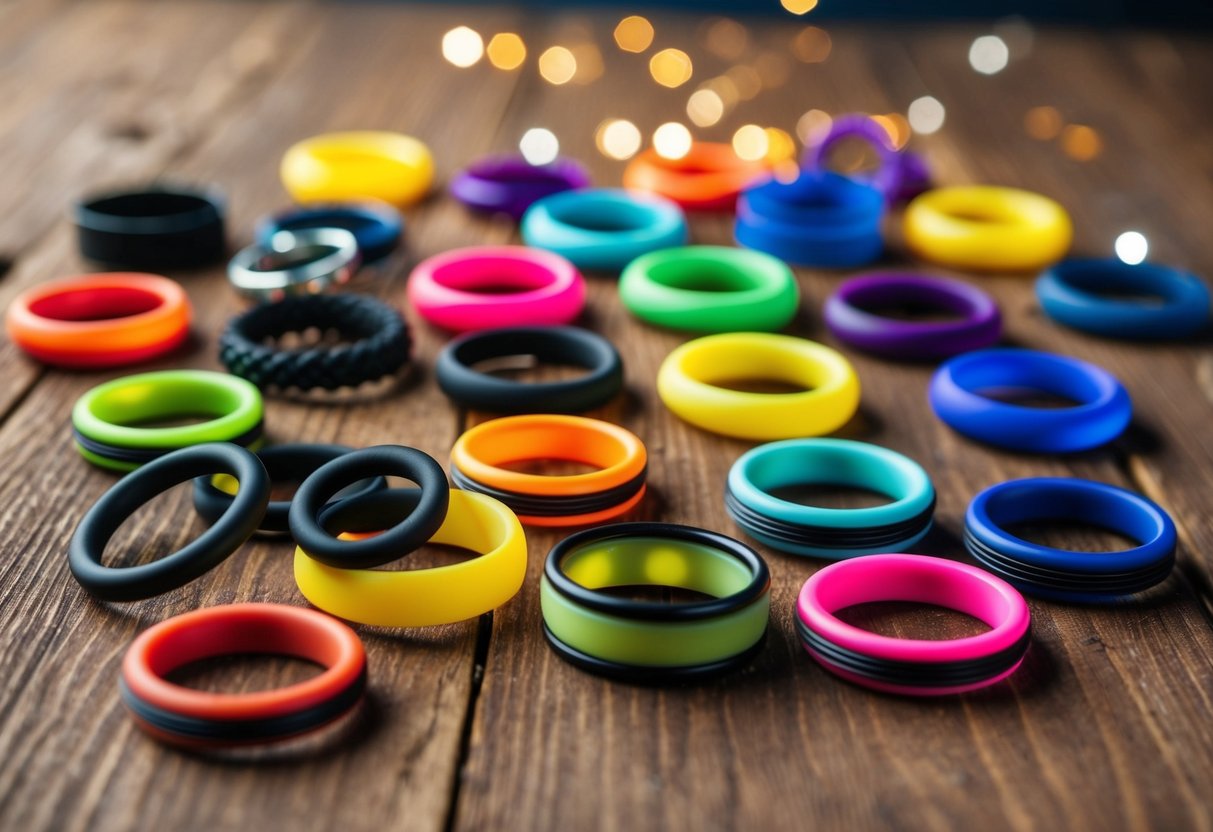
point(303, 262)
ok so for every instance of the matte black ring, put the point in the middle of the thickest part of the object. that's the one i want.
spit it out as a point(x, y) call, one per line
point(831, 537)
point(553, 505)
point(162, 227)
point(141, 456)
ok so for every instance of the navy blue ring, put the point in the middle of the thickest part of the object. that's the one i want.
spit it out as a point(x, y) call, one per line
point(377, 228)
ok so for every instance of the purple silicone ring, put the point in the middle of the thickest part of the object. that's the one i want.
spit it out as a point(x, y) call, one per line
point(509, 184)
point(979, 326)
point(901, 175)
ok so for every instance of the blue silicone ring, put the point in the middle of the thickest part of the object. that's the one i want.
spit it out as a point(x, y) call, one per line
point(1063, 575)
point(604, 228)
point(1072, 293)
point(377, 228)
point(830, 532)
point(1102, 415)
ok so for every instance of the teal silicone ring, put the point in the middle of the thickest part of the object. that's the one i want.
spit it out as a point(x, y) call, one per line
point(710, 289)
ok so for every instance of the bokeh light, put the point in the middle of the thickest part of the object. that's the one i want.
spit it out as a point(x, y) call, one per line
point(781, 147)
point(896, 126)
point(506, 50)
point(813, 126)
point(557, 65)
point(726, 39)
point(462, 46)
point(671, 67)
point(812, 45)
point(926, 115)
point(746, 80)
point(539, 146)
point(1080, 142)
point(618, 138)
point(799, 6)
point(989, 54)
point(1042, 123)
point(1132, 247)
point(751, 142)
point(724, 87)
point(589, 63)
point(634, 34)
point(672, 140)
point(705, 107)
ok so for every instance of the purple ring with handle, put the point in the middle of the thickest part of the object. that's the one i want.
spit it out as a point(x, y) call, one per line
point(979, 326)
point(900, 176)
point(509, 184)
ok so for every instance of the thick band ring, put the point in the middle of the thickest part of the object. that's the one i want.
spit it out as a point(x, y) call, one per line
point(200, 719)
point(914, 667)
point(376, 343)
point(846, 314)
point(988, 228)
point(511, 184)
point(604, 228)
point(1076, 293)
point(469, 387)
point(101, 320)
point(419, 597)
point(710, 289)
point(646, 641)
point(196, 558)
point(830, 532)
point(356, 166)
point(1063, 575)
point(106, 419)
point(690, 377)
point(377, 227)
point(163, 227)
point(708, 178)
point(304, 262)
point(529, 287)
point(478, 457)
point(1102, 414)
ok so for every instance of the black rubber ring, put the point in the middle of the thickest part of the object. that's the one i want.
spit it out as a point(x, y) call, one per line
point(552, 345)
point(554, 506)
point(158, 228)
point(193, 560)
point(828, 537)
point(141, 456)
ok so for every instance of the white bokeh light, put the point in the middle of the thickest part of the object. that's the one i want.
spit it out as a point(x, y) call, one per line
point(539, 146)
point(462, 46)
point(926, 115)
point(1132, 247)
point(989, 54)
point(672, 140)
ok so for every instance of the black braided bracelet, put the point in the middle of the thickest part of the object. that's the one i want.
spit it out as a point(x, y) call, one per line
point(379, 335)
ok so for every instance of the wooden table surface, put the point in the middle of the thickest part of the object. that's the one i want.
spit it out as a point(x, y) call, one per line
point(1108, 724)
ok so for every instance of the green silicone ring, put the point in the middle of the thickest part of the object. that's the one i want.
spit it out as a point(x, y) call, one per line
point(710, 289)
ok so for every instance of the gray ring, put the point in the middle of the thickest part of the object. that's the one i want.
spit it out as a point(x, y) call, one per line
point(281, 268)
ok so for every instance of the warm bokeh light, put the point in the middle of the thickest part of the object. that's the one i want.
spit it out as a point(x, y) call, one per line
point(746, 80)
point(634, 34)
point(773, 69)
point(786, 172)
point(557, 65)
point(726, 39)
point(1080, 142)
point(799, 6)
point(813, 125)
point(671, 67)
point(1042, 123)
point(896, 126)
point(751, 142)
point(618, 138)
point(705, 108)
point(462, 46)
point(724, 87)
point(989, 54)
point(1132, 247)
point(589, 63)
point(926, 115)
point(506, 50)
point(539, 146)
point(812, 45)
point(781, 147)
point(672, 140)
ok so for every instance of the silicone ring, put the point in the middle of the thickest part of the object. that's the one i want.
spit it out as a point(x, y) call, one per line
point(162, 227)
point(469, 387)
point(847, 316)
point(101, 320)
point(1102, 414)
point(302, 262)
point(987, 228)
point(529, 288)
point(511, 184)
point(830, 532)
point(653, 641)
point(1059, 574)
point(193, 718)
point(690, 377)
point(708, 178)
point(196, 558)
point(376, 227)
point(887, 178)
point(356, 166)
point(914, 667)
point(710, 289)
point(478, 457)
point(1075, 293)
point(420, 597)
point(285, 463)
point(603, 228)
point(105, 419)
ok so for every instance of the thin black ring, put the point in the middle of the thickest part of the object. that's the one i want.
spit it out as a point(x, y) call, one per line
point(409, 534)
point(194, 559)
point(555, 344)
point(554, 506)
point(161, 227)
point(827, 537)
point(651, 610)
point(1033, 576)
point(141, 456)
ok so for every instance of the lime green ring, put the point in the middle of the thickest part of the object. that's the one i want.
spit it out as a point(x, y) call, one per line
point(710, 289)
point(109, 411)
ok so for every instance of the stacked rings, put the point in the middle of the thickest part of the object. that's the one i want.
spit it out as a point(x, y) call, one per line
point(377, 228)
point(819, 219)
point(888, 178)
point(830, 532)
point(199, 719)
point(913, 667)
point(1102, 413)
point(356, 166)
point(846, 314)
point(483, 287)
point(654, 642)
point(604, 228)
point(376, 343)
point(1076, 293)
point(710, 289)
point(467, 386)
point(1063, 575)
point(163, 227)
point(102, 320)
point(511, 184)
point(708, 178)
point(691, 377)
point(304, 262)
point(106, 420)
point(618, 484)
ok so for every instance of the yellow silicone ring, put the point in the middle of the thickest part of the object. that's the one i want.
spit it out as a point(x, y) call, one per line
point(689, 377)
point(987, 228)
point(427, 597)
point(350, 167)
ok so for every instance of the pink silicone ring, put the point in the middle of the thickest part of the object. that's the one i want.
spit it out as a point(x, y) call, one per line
point(488, 287)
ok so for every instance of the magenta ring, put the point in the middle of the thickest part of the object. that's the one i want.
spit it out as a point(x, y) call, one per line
point(487, 287)
point(900, 176)
point(509, 184)
point(846, 315)
point(914, 667)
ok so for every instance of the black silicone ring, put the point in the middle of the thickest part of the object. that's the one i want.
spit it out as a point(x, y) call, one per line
point(193, 560)
point(142, 456)
point(534, 505)
point(828, 537)
point(285, 463)
point(402, 538)
point(159, 228)
point(552, 345)
point(379, 335)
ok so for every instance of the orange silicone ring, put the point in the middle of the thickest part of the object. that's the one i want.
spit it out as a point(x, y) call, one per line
point(708, 178)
